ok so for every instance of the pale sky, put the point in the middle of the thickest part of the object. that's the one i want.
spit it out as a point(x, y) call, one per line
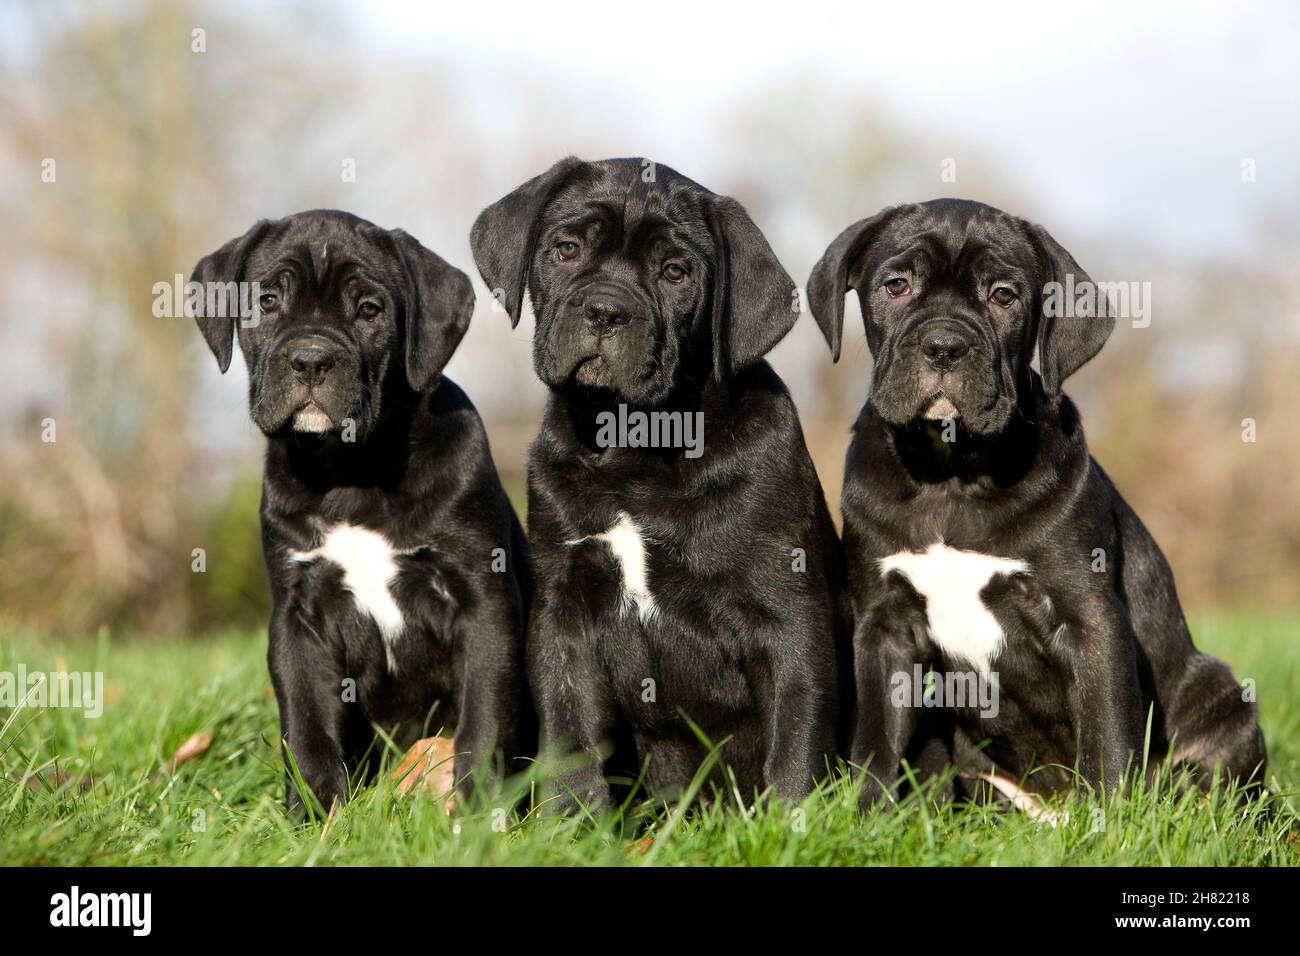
point(1130, 114)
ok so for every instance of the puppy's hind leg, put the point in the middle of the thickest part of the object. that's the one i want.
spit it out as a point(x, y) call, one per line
point(1199, 703)
point(1214, 723)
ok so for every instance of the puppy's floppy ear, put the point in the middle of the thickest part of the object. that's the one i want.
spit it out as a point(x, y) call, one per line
point(224, 266)
point(505, 234)
point(1066, 338)
point(831, 279)
point(755, 302)
point(439, 303)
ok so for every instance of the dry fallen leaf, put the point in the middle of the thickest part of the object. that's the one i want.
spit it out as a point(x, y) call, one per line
point(196, 745)
point(429, 766)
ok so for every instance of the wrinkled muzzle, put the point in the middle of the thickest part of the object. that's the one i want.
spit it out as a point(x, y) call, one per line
point(602, 334)
point(310, 383)
point(944, 367)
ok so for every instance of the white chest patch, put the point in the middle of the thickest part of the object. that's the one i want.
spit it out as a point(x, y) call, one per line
point(367, 561)
point(951, 581)
point(625, 540)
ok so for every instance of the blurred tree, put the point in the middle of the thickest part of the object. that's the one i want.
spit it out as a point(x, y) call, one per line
point(144, 118)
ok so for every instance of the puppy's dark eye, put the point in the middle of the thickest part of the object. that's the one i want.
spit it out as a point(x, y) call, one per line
point(567, 250)
point(369, 311)
point(897, 286)
point(268, 301)
point(674, 272)
point(1003, 295)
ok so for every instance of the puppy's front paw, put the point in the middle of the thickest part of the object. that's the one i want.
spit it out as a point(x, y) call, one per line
point(326, 796)
point(873, 795)
point(585, 789)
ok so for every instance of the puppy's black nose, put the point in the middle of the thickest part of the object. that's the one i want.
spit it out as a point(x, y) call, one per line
point(603, 311)
point(944, 346)
point(310, 363)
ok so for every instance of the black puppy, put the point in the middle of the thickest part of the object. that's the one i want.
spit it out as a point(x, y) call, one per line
point(691, 583)
point(399, 573)
point(981, 536)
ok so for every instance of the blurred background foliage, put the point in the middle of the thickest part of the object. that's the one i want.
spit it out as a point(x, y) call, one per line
point(163, 150)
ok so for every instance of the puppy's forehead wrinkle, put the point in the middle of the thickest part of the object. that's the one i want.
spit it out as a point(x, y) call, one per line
point(308, 274)
point(916, 252)
point(660, 236)
point(967, 265)
point(948, 227)
point(636, 203)
point(590, 218)
point(321, 261)
point(639, 222)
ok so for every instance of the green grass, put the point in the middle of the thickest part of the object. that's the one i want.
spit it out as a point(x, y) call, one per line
point(118, 804)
